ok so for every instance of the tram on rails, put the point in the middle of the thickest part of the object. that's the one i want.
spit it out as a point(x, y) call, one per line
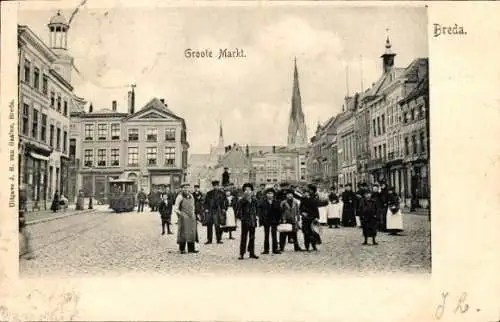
point(122, 195)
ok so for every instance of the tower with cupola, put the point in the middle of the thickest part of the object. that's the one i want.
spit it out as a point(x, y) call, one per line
point(58, 42)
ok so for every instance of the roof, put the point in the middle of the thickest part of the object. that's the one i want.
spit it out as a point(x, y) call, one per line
point(422, 88)
point(58, 18)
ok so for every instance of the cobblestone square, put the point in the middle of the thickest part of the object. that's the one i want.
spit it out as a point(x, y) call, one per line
point(106, 243)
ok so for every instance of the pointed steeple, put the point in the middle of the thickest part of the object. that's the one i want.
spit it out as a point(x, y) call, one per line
point(220, 130)
point(297, 132)
point(388, 56)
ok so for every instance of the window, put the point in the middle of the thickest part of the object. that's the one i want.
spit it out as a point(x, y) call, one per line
point(65, 139)
point(36, 78)
point(133, 156)
point(59, 103)
point(407, 146)
point(43, 133)
point(34, 127)
point(102, 132)
point(65, 108)
point(45, 84)
point(58, 139)
point(383, 123)
point(375, 152)
point(151, 134)
point(89, 132)
point(422, 142)
point(385, 151)
point(88, 157)
point(115, 157)
point(170, 134)
point(52, 99)
point(414, 143)
point(115, 131)
point(27, 70)
point(378, 125)
point(151, 155)
point(26, 116)
point(101, 157)
point(51, 136)
point(133, 134)
point(169, 156)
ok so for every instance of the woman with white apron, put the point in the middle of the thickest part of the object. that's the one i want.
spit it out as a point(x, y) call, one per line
point(394, 217)
point(229, 207)
point(333, 210)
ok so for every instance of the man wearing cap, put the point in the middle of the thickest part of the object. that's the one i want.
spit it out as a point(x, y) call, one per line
point(270, 218)
point(213, 206)
point(187, 232)
point(247, 212)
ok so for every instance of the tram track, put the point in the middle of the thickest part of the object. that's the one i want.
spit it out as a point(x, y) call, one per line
point(68, 233)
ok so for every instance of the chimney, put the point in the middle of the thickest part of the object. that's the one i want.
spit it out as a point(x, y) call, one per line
point(162, 101)
point(113, 106)
point(131, 100)
point(247, 151)
point(274, 148)
point(91, 108)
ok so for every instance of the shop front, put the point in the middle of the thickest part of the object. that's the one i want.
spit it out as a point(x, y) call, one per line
point(33, 176)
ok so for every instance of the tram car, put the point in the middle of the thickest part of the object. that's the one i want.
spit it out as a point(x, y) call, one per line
point(122, 195)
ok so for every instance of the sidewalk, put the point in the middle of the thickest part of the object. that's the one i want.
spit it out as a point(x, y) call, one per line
point(37, 217)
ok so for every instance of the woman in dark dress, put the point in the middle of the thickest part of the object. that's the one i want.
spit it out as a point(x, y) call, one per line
point(369, 217)
point(309, 204)
point(55, 202)
point(165, 209)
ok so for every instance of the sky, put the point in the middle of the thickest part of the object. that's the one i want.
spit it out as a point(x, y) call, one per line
point(334, 45)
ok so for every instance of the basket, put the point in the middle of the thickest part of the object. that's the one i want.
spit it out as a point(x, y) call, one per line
point(285, 228)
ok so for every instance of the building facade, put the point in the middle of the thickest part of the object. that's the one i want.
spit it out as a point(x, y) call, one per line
point(416, 144)
point(149, 146)
point(322, 158)
point(275, 167)
point(346, 145)
point(238, 162)
point(46, 100)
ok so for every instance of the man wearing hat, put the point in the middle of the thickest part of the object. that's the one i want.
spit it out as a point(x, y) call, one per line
point(214, 201)
point(309, 203)
point(187, 232)
point(270, 218)
point(247, 212)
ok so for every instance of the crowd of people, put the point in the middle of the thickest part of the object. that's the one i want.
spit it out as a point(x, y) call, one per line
point(282, 210)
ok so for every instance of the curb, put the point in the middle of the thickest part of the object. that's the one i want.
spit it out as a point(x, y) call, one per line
point(40, 221)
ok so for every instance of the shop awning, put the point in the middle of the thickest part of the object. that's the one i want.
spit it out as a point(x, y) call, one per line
point(157, 180)
point(39, 156)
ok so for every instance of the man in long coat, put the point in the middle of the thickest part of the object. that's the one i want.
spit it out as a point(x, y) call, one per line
point(187, 232)
point(225, 177)
point(214, 212)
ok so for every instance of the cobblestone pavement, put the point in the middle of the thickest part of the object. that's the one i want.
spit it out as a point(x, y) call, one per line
point(106, 243)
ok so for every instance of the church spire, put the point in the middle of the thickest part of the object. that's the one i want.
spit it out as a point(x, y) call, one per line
point(297, 132)
point(388, 56)
point(220, 130)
